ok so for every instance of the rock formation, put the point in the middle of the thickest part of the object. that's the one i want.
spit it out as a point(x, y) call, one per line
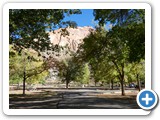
point(73, 39)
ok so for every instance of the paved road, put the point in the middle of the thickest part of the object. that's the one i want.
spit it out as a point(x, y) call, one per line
point(75, 99)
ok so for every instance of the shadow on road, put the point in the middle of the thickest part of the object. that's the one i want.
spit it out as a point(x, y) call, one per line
point(71, 100)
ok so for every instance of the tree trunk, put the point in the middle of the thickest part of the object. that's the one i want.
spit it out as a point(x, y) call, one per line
point(138, 83)
point(112, 84)
point(24, 74)
point(67, 82)
point(121, 75)
point(18, 86)
point(95, 83)
point(122, 86)
point(24, 82)
point(122, 80)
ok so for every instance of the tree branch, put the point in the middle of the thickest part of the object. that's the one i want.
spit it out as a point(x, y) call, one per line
point(117, 67)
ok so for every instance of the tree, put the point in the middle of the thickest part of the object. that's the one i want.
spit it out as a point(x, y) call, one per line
point(28, 27)
point(138, 72)
point(123, 43)
point(83, 74)
point(71, 70)
point(103, 71)
point(107, 46)
point(15, 71)
point(132, 25)
point(119, 52)
point(26, 66)
point(120, 17)
point(115, 16)
point(67, 71)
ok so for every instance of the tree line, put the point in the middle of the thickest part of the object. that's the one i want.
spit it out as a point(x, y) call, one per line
point(110, 55)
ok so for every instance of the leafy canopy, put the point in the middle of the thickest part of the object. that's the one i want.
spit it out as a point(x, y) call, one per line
point(26, 61)
point(26, 25)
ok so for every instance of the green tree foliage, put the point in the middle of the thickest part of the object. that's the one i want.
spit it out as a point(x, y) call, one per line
point(26, 66)
point(102, 70)
point(104, 55)
point(110, 50)
point(137, 72)
point(115, 16)
point(28, 29)
point(124, 43)
point(15, 68)
point(83, 74)
point(121, 17)
point(70, 70)
point(67, 71)
point(129, 24)
point(26, 25)
point(86, 74)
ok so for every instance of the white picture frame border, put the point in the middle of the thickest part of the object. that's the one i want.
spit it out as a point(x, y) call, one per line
point(8, 6)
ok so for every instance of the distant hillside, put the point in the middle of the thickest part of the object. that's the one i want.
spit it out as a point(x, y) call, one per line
point(73, 39)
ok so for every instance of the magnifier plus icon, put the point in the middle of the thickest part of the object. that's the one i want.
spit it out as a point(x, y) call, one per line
point(147, 99)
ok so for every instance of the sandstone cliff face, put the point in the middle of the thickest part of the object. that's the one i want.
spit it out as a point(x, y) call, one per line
point(73, 39)
point(70, 42)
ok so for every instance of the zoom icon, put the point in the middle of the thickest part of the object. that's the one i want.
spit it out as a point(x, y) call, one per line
point(147, 99)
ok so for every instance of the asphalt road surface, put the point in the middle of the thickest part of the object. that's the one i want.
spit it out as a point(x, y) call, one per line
point(75, 99)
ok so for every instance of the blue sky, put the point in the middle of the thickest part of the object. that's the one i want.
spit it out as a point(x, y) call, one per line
point(84, 19)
